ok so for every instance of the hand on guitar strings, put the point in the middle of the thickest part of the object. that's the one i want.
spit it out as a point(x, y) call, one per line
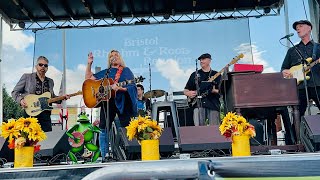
point(23, 103)
point(286, 73)
point(192, 94)
point(67, 96)
point(215, 91)
point(115, 87)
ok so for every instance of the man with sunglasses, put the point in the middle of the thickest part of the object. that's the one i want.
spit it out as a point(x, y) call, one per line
point(36, 83)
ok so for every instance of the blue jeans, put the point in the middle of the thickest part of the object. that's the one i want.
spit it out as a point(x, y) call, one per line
point(104, 143)
point(104, 139)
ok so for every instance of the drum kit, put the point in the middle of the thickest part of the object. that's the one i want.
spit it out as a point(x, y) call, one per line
point(154, 94)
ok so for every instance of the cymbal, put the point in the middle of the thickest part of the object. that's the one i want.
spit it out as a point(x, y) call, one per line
point(154, 93)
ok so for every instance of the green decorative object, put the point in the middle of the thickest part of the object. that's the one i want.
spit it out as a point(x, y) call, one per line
point(80, 136)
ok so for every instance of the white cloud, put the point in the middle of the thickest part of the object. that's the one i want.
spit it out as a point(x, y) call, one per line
point(14, 65)
point(16, 61)
point(178, 77)
point(171, 70)
point(256, 55)
point(16, 39)
point(75, 78)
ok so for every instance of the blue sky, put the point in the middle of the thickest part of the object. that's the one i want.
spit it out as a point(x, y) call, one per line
point(171, 49)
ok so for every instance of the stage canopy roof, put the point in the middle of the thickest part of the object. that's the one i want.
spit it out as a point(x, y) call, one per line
point(44, 14)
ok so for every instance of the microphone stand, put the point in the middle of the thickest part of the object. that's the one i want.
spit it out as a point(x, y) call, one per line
point(303, 63)
point(107, 93)
point(150, 89)
point(196, 78)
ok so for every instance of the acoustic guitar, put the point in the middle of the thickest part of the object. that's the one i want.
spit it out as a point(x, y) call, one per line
point(38, 103)
point(96, 91)
point(297, 72)
point(193, 101)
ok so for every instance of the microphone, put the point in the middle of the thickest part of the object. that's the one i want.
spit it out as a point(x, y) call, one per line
point(287, 36)
point(113, 59)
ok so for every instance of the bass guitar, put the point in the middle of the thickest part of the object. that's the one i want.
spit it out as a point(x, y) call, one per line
point(193, 101)
point(297, 72)
point(38, 103)
point(95, 91)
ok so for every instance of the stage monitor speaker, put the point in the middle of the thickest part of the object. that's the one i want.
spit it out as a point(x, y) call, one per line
point(5, 152)
point(56, 143)
point(310, 132)
point(196, 138)
point(166, 141)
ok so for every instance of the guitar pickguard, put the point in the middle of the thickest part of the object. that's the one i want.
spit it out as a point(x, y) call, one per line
point(44, 103)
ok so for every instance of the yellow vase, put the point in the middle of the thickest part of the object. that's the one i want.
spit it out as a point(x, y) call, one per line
point(23, 157)
point(241, 146)
point(150, 150)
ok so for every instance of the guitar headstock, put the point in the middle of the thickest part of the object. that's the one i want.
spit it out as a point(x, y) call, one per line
point(79, 92)
point(236, 59)
point(139, 79)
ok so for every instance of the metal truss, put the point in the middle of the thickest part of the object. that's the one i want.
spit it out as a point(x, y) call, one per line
point(146, 20)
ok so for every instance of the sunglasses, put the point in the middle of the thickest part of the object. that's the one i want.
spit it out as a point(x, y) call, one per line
point(41, 65)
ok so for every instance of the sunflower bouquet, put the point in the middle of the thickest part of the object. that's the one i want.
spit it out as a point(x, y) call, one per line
point(143, 128)
point(236, 125)
point(23, 132)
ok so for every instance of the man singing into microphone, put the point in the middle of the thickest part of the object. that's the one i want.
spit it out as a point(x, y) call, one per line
point(124, 104)
point(307, 48)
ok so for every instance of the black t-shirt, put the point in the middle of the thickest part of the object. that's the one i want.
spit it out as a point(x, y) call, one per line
point(210, 101)
point(293, 58)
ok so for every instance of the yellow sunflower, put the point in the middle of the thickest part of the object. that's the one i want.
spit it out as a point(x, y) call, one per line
point(143, 127)
point(8, 129)
point(37, 135)
point(26, 124)
point(132, 129)
point(233, 124)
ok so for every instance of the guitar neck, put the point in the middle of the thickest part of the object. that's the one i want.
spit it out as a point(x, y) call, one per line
point(124, 83)
point(311, 65)
point(234, 60)
point(52, 100)
point(120, 84)
point(216, 75)
point(219, 73)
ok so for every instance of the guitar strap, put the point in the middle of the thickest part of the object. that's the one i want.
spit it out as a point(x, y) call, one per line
point(314, 51)
point(118, 74)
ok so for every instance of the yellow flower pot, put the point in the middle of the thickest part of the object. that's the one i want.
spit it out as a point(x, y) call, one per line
point(241, 146)
point(150, 150)
point(23, 157)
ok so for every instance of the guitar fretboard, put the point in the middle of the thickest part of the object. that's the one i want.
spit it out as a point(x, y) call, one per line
point(109, 88)
point(234, 60)
point(52, 100)
point(311, 65)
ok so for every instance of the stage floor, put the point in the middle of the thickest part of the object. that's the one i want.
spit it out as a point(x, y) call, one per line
point(304, 165)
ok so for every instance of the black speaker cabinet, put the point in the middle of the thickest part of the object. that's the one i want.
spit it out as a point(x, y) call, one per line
point(129, 148)
point(193, 138)
point(310, 132)
point(56, 143)
point(5, 152)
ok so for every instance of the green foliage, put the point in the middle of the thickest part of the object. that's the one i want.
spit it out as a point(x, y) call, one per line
point(222, 110)
point(11, 109)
